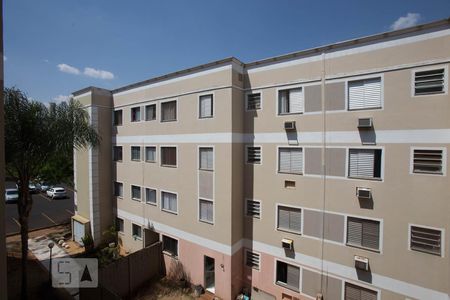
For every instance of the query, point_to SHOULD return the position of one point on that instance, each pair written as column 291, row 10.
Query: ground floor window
column 170, row 245
column 288, row 275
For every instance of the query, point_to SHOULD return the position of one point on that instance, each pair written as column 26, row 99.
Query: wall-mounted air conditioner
column 365, row 123
column 287, row 244
column 361, row 263
column 363, row 193
column 289, row 125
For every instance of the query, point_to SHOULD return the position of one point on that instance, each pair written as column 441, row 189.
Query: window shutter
column 354, row 231
column 295, row 220
column 362, row 163
column 206, row 106
column 426, row 240
column 285, row 160
column 206, row 210
column 354, row 292
column 364, row 94
column 427, row 161
column 371, row 233
column 283, row 217
column 253, row 101
column 206, row 158
column 293, row 276
column 252, row 259
column 253, row 208
column 295, row 100
column 290, row 218
column 283, row 102
column 290, row 160
column 429, row 82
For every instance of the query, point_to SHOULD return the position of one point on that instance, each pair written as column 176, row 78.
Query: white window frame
column 442, row 230
column 277, row 102
column 214, row 211
column 300, row 277
column 178, row 246
column 156, row 154
column 199, row 159
column 131, row 153
column 156, row 195
column 156, row 111
column 160, row 156
column 444, row 161
column 246, row 250
column 429, row 68
column 114, row 189
column 131, row 114
column 381, row 236
column 363, row 77
column 213, row 111
column 287, row 230
column 176, row 112
column 260, row 100
column 161, row 200
column 135, row 236
column 278, row 160
column 347, row 163
column 246, row 155
column 131, row 192
column 246, row 211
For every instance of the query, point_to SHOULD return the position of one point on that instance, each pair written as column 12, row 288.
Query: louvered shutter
column 296, row 161
column 285, row 160
column 354, row 292
column 290, row 218
column 290, row 160
column 354, row 231
column 206, row 210
column 364, row 94
column 293, row 276
column 283, row 102
column 206, row 106
column 295, row 100
column 295, row 219
column 253, row 208
column 362, row 163
column 283, row 217
column 371, row 234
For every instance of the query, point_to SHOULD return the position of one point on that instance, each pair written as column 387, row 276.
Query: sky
column 55, row 47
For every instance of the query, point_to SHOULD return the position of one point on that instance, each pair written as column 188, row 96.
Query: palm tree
column 34, row 134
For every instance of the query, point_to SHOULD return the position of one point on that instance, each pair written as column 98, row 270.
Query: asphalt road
column 45, row 212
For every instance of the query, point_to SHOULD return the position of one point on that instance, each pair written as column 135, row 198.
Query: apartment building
column 320, row 174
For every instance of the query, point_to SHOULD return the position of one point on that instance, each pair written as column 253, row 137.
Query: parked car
column 43, row 186
column 56, row 192
column 11, row 195
column 32, row 188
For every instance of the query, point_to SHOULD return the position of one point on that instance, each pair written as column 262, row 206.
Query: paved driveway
column 45, row 212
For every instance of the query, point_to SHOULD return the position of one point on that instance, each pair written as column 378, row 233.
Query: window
column 150, row 112
column 252, row 259
column 253, row 155
column 150, row 154
column 135, row 192
column 206, row 159
column 150, row 196
column 365, row 163
column 169, row 156
column 363, row 233
column 253, row 101
column 137, row 232
column 119, row 225
column 206, row 211
column 288, row 275
column 169, row 111
column 170, row 245
column 206, row 106
column 429, row 82
column 117, row 117
column 354, row 292
column 117, row 153
column 426, row 240
column 253, row 208
column 427, row 161
column 290, row 101
column 364, row 94
column 289, row 219
column 169, row 201
column 290, row 160
column 135, row 153
column 135, row 114
column 118, row 189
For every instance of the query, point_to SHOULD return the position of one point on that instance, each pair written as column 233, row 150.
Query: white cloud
column 46, row 61
column 409, row 20
column 60, row 98
column 91, row 72
column 68, row 69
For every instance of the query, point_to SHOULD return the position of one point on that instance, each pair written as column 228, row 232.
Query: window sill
column 169, row 211
column 169, row 166
column 151, row 203
column 289, row 231
column 136, row 160
column 206, row 117
column 427, row 173
column 137, row 238
column 207, row 170
column 136, row 199
column 368, row 108
column 150, row 161
column 365, row 178
column 150, row 120
column 165, row 121
column 289, row 114
column 206, row 222
column 363, row 248
column 119, row 197
column 425, row 251
column 287, row 173
column 170, row 254
column 282, row 284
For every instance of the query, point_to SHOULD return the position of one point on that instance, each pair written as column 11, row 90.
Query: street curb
column 36, row 229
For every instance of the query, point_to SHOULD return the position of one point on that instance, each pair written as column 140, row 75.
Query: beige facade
column 223, row 183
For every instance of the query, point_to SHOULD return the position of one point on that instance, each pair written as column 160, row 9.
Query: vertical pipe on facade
column 323, row 159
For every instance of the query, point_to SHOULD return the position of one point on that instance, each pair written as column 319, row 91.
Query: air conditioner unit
column 361, row 263
column 365, row 123
column 287, row 244
column 289, row 125
column 363, row 193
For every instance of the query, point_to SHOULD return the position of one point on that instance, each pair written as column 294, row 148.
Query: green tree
column 35, row 135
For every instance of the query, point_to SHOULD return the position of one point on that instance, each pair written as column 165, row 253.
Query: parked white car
column 56, row 192
column 11, row 195
column 44, row 186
